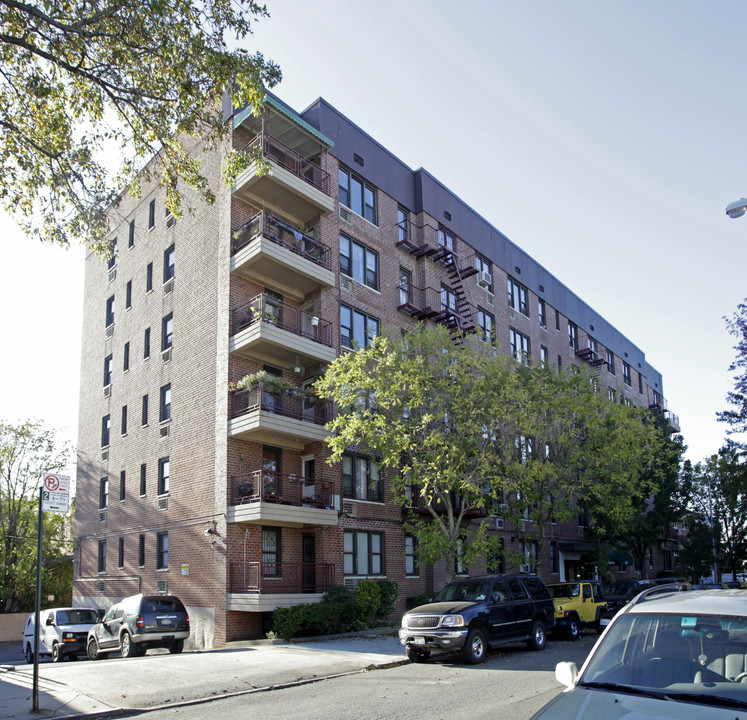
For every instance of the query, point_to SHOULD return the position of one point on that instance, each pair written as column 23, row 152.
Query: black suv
column 479, row 612
column 137, row 623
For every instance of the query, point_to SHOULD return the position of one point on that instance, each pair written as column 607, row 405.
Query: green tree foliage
column 27, row 452
column 696, row 554
column 80, row 77
column 736, row 416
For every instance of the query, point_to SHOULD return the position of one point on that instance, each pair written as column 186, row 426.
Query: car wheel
column 572, row 630
column 417, row 656
column 92, row 650
column 127, row 647
column 476, row 647
column 538, row 636
column 56, row 652
column 29, row 654
column 176, row 647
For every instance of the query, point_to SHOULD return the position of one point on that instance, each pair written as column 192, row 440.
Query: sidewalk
column 83, row 688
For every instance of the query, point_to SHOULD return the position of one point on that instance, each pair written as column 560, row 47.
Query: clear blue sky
column 604, row 138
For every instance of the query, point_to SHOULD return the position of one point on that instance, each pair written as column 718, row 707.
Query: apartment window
column 162, row 551
column 357, row 329
column 610, row 362
column 448, row 299
column 519, row 343
column 573, row 335
column 357, row 194
column 102, row 556
column 152, row 215
column 143, row 474
column 120, row 554
column 359, row 262
column 560, row 363
column 542, row 313
column 360, row 478
column 122, row 483
column 128, row 295
column 271, row 544
column 124, row 419
column 544, row 357
column 164, row 474
column 105, row 430
column 403, row 224
column 144, row 417
column 141, row 551
column 168, row 264
column 131, row 241
column 126, row 359
column 363, row 553
column 146, row 344
column 113, row 259
column 557, row 321
column 411, row 563
column 627, row 379
column 108, row 361
column 165, row 412
column 484, row 265
column 167, row 331
column 103, row 493
column 518, row 297
column 610, row 394
column 446, row 238
column 405, row 286
column 110, row 311
column 640, row 383
column 149, row 278
column 486, row 326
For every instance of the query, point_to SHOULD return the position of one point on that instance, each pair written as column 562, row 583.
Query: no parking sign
column 55, row 495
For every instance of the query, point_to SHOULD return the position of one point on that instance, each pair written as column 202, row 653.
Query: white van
column 62, row 634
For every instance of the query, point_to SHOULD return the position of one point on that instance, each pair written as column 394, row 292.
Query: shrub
column 367, row 601
column 388, row 600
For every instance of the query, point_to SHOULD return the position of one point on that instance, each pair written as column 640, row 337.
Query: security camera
column 208, row 531
column 737, row 208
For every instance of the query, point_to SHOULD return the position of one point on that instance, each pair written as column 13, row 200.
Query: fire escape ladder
column 466, row 319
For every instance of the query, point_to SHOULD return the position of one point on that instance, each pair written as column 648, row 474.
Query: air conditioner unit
column 162, row 587
column 109, row 331
column 102, row 515
column 112, row 274
column 351, row 583
column 107, row 390
column 168, row 286
column 346, row 284
column 346, row 215
column 484, row 278
column 166, row 355
column 499, row 523
column 490, row 299
column 165, row 431
column 101, row 587
column 163, row 503
column 349, row 508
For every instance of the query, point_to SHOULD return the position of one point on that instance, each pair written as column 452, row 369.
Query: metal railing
column 293, row 403
column 280, row 577
column 264, row 224
column 425, row 303
column 282, row 488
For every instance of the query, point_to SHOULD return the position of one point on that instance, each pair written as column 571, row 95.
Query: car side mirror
column 50, row 621
column 566, row 673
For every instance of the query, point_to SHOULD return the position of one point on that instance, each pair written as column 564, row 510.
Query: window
column 122, row 482
column 152, row 215
column 573, row 335
column 164, row 474
column 103, row 493
column 124, row 419
column 411, row 562
column 113, row 259
column 143, row 473
column 165, row 412
column 554, row 557
column 108, row 360
column 360, row 478
column 518, row 297
column 149, row 278
column 144, row 416
column 544, row 357
column 486, row 326
column 483, row 265
column 448, row 299
column 519, row 343
column 102, row 556
column 446, row 238
column 626, row 375
column 162, row 551
column 610, row 362
column 126, row 360
column 105, row 429
column 141, row 551
column 560, row 363
column 640, row 383
column 359, row 262
column 557, row 321
column 167, row 331
column 131, row 241
column 120, row 554
column 271, row 552
column 460, row 568
column 405, row 286
column 363, row 553
column 110, row 311
column 403, row 224
column 357, row 194
column 128, row 295
column 168, row 264
column 542, row 313
column 610, row 394
column 356, row 328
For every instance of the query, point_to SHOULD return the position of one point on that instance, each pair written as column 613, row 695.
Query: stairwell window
column 108, row 363
column 105, row 430
column 359, row 262
column 162, row 551
column 518, row 297
column 403, row 224
column 360, row 478
column 165, row 413
column 446, row 238
column 357, row 329
column 363, row 553
column 520, row 346
column 356, row 194
column 168, row 264
column 104, row 493
column 167, row 332
column 110, row 311
column 164, row 476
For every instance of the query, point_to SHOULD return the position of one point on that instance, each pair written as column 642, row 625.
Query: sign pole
column 37, row 605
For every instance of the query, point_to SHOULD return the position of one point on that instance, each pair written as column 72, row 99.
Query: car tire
column 127, row 648
column 176, row 647
column 475, row 648
column 538, row 638
column 417, row 656
column 92, row 650
column 29, row 654
column 572, row 630
column 56, row 653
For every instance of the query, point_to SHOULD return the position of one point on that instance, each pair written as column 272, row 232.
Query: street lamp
column 737, row 208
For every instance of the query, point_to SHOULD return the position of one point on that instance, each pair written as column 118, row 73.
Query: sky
column 603, row 138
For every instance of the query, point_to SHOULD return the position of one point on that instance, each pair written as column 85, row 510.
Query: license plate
column 165, row 621
column 418, row 641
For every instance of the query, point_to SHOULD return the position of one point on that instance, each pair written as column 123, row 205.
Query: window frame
column 167, row 332
column 520, row 346
column 366, row 319
column 169, row 257
column 106, row 428
column 352, row 555
column 104, row 493
column 412, row 569
column 518, row 296
column 146, row 344
column 143, row 478
column 164, row 475
column 348, row 262
column 162, row 550
column 101, row 560
column 353, row 485
column 108, row 369
column 272, row 556
column 347, row 194
column 164, row 406
column 486, row 334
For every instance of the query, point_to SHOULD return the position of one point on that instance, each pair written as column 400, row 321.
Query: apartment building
column 220, row 493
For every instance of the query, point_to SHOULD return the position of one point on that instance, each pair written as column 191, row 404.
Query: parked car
column 137, row 623
column 666, row 654
column 620, row 593
column 62, row 633
column 578, row 604
column 476, row 613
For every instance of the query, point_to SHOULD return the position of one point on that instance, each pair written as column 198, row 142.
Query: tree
column 27, row 452
column 86, row 76
column 696, row 553
column 736, row 416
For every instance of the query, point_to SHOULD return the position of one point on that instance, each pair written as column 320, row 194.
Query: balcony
column 586, row 350
column 281, row 499
column 267, row 249
column 281, row 334
column 658, row 404
column 428, row 304
column 261, row 587
column 294, row 185
column 289, row 420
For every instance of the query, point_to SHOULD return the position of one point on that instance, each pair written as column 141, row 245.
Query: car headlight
column 404, row 621
column 68, row 636
column 452, row 621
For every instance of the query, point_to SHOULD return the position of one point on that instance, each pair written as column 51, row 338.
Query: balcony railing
column 293, row 403
column 280, row 577
column 280, row 314
column 282, row 488
column 282, row 233
column 422, row 241
column 289, row 159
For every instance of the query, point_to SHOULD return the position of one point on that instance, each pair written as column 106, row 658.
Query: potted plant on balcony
column 272, row 383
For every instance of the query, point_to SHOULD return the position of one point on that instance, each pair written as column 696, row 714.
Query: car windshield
column 565, row 590
column 475, row 591
column 699, row 655
column 159, row 605
column 77, row 617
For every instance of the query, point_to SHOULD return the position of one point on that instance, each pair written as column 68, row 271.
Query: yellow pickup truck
column 578, row 604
